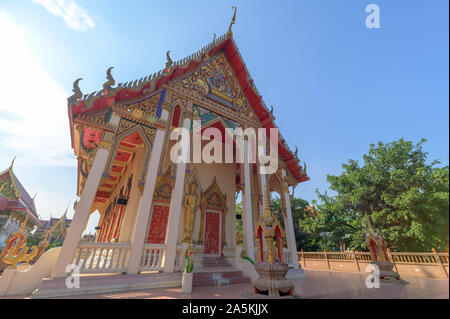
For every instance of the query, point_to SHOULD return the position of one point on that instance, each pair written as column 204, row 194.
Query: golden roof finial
column 229, row 33
column 12, row 162
column 169, row 62
column 67, row 208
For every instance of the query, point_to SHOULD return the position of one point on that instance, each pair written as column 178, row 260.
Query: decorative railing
column 310, row 255
column 152, row 257
column 420, row 258
column 362, row 256
column 102, row 257
column 411, row 264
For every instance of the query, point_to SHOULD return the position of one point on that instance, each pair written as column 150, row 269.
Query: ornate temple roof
column 108, row 96
column 14, row 196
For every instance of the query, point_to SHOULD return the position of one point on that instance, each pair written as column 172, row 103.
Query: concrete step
column 215, row 262
column 225, row 277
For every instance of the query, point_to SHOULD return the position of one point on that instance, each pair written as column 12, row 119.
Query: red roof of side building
column 99, row 100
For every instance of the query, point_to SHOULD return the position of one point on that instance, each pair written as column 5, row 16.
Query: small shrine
column 271, row 267
column 379, row 254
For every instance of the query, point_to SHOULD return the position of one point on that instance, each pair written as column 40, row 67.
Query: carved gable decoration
column 7, row 188
column 126, row 125
column 148, row 108
column 164, row 187
column 216, row 81
column 213, row 198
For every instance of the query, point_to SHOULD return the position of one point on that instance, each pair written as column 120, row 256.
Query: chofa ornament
column 379, row 255
column 376, row 244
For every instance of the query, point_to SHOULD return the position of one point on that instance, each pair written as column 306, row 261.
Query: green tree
column 406, row 198
column 34, row 239
column 239, row 230
column 303, row 240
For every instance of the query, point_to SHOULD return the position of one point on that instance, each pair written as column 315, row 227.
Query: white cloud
column 33, row 106
column 74, row 16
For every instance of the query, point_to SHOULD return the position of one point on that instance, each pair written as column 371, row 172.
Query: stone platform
column 295, row 273
column 319, row 284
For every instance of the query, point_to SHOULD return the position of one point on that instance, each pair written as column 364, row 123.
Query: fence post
column 302, row 257
column 326, row 259
column 438, row 259
column 356, row 260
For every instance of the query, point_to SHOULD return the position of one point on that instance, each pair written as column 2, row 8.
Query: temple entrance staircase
column 216, row 271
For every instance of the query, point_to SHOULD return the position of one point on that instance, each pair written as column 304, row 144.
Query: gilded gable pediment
column 215, row 82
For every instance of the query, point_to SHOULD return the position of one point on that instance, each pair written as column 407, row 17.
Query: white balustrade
column 102, row 257
column 152, row 257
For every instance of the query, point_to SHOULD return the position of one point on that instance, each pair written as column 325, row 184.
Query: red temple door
column 158, row 225
column 213, row 234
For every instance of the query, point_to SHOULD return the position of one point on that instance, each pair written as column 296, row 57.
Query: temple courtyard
column 317, row 285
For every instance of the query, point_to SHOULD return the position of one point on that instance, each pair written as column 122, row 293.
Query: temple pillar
column 247, row 217
column 144, row 211
column 289, row 227
column 83, row 209
column 173, row 222
column 262, row 172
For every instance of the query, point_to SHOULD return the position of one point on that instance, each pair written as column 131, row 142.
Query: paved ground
column 318, row 284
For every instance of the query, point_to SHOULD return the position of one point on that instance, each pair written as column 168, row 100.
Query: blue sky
column 336, row 86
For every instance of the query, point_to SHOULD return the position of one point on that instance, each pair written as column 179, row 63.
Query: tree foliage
column 55, row 239
column 239, row 230
column 406, row 198
column 303, row 240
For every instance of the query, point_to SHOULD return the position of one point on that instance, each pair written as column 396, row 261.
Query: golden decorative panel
column 164, row 187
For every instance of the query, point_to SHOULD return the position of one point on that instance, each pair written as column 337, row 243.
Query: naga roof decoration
column 15, row 194
column 109, row 96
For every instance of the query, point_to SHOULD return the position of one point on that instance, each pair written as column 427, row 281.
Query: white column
column 144, row 211
column 289, row 225
column 262, row 177
column 247, row 209
column 173, row 223
column 82, row 213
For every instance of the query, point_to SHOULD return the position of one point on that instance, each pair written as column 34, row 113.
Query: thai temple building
column 15, row 205
column 63, row 223
column 55, row 224
column 151, row 206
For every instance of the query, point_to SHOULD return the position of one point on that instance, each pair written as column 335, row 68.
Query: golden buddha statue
column 191, row 203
